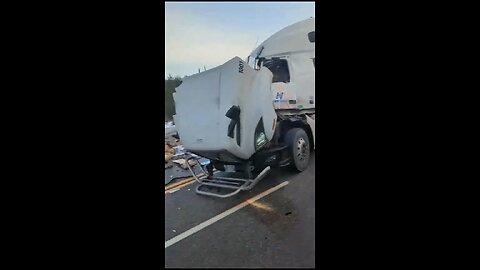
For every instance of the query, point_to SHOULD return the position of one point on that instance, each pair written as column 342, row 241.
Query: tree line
column 170, row 84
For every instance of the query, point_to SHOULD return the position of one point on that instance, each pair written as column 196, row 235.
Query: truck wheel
column 299, row 146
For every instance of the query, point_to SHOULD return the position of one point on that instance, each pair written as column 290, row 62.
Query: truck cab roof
column 291, row 39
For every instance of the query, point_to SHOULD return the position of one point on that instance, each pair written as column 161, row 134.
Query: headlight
column 260, row 137
column 260, row 140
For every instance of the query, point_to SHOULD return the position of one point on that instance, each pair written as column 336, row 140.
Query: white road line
column 173, row 190
column 222, row 215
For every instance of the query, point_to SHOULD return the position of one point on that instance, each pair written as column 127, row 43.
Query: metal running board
column 225, row 182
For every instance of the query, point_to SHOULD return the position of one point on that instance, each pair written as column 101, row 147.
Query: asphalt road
column 277, row 230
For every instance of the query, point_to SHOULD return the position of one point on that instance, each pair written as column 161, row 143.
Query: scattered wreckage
column 176, row 158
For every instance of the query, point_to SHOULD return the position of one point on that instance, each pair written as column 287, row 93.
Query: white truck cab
column 255, row 114
column 290, row 56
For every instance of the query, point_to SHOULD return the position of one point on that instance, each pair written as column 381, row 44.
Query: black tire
column 299, row 147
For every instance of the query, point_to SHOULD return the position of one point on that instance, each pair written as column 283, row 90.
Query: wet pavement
column 278, row 230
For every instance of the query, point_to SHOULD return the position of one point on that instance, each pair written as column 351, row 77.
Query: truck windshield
column 279, row 68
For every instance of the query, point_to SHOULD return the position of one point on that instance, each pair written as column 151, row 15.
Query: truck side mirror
column 311, row 37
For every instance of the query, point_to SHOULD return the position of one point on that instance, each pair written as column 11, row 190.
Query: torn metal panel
column 203, row 100
column 176, row 172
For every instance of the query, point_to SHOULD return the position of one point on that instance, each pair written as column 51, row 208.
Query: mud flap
column 311, row 123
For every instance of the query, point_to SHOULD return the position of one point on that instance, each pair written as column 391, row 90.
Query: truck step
column 235, row 184
column 214, row 182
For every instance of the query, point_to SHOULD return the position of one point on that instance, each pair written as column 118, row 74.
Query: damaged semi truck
column 250, row 116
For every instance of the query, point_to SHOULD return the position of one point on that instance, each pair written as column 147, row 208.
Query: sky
column 199, row 34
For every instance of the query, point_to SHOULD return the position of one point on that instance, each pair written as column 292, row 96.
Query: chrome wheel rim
column 302, row 150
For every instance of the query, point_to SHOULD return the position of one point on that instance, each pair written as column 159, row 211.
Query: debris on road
column 176, row 173
column 176, row 157
column 170, row 128
column 169, row 152
column 179, row 150
column 183, row 163
column 180, row 161
column 174, row 151
column 204, row 161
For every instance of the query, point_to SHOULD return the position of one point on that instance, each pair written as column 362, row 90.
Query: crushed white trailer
column 251, row 116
